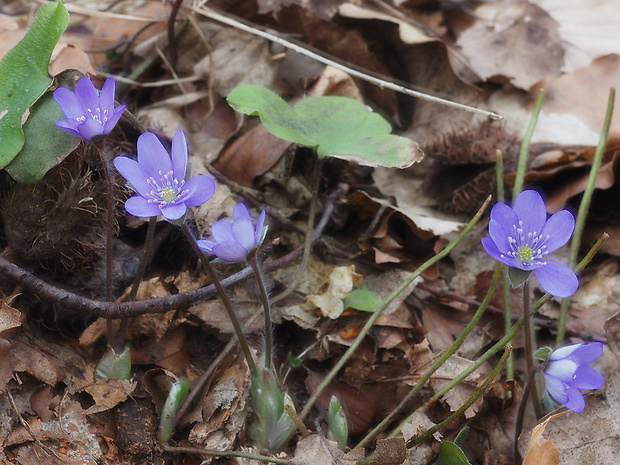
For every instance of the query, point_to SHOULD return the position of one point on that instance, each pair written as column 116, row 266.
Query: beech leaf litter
column 386, row 180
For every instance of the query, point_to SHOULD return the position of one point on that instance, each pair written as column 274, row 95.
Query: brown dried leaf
column 108, row 393
column 516, row 42
column 541, row 450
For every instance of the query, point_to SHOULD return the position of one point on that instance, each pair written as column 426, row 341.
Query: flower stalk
column 224, row 297
column 584, row 206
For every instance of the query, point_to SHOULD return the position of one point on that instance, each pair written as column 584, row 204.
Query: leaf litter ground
column 380, row 228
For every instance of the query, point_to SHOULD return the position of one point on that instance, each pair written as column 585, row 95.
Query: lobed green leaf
column 339, row 127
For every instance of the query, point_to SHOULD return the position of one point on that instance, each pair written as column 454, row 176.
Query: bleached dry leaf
column 341, row 282
column 9, row 317
column 589, row 29
column 408, row 33
column 316, row 449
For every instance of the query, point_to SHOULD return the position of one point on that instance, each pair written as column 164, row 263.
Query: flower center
column 168, row 190
column 525, row 254
column 529, row 248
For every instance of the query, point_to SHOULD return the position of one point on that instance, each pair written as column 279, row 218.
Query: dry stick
column 224, row 297
column 209, row 13
column 529, row 344
column 224, row 453
column 53, row 294
column 377, row 313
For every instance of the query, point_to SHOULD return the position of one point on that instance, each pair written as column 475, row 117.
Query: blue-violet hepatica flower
column 233, row 241
column 88, row 112
column 522, row 237
column 160, row 180
column 567, row 372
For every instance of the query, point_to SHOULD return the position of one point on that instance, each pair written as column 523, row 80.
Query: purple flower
column 233, row 241
column 88, row 113
column 161, row 181
column 567, row 371
column 521, row 237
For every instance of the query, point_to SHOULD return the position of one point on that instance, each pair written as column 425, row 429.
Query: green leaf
column 45, row 144
column 451, row 454
column 363, row 299
column 339, row 127
column 24, row 77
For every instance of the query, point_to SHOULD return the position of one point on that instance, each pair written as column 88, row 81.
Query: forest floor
column 174, row 64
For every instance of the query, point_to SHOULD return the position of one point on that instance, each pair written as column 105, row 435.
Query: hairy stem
column 530, row 344
column 266, row 309
column 440, row 361
column 468, row 403
column 224, row 297
column 371, row 321
column 584, row 206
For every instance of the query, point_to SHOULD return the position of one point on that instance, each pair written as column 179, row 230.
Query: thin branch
column 209, row 13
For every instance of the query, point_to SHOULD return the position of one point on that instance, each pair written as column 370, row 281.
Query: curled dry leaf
column 331, row 302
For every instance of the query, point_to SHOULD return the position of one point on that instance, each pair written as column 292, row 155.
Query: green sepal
column 517, row 276
column 113, row 365
column 543, row 353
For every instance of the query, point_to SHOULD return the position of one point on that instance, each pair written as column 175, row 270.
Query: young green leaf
column 176, row 397
column 45, row 144
column 451, row 454
column 362, row 299
column 339, row 127
column 24, row 77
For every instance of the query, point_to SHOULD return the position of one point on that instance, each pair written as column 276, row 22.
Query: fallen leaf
column 516, row 42
column 316, row 449
column 341, row 282
column 108, row 393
